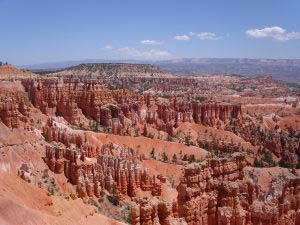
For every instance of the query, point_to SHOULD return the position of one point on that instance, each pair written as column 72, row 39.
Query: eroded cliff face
column 119, row 110
column 14, row 107
column 208, row 114
column 218, row 192
column 53, row 131
column 113, row 167
column 9, row 114
column 283, row 143
column 70, row 98
column 154, row 212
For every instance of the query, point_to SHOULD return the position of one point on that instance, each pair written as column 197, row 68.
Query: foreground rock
column 218, row 192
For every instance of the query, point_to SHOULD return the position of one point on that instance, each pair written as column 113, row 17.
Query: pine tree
column 192, row 158
column 188, row 140
column 145, row 132
column 165, row 157
column 115, row 198
column 152, row 153
column 174, row 160
column 97, row 126
column 257, row 163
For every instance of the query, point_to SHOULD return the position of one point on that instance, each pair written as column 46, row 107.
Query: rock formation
column 113, row 166
column 153, row 212
column 217, row 192
column 9, row 114
column 209, row 114
column 70, row 97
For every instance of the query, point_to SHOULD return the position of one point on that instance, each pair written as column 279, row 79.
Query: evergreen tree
column 97, row 126
column 188, row 140
column 192, row 158
column 115, row 198
column 174, row 160
column 165, row 157
column 152, row 153
column 145, row 132
column 257, row 163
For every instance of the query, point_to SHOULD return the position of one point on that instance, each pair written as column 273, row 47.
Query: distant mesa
column 283, row 69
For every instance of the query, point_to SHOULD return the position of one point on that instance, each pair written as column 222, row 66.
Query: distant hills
column 287, row 70
column 103, row 70
column 66, row 64
column 283, row 69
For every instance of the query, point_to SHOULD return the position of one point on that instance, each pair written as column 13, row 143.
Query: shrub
column 174, row 160
column 129, row 219
column 191, row 158
column 285, row 164
column 169, row 138
column 257, row 163
column 102, row 193
column 73, row 196
column 187, row 140
column 47, row 139
column 115, row 198
column 268, row 158
column 152, row 153
column 150, row 135
column 165, row 157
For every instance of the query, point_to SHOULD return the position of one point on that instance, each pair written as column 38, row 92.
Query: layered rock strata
column 216, row 192
column 113, row 168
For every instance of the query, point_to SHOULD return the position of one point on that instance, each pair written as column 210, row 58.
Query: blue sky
column 35, row 31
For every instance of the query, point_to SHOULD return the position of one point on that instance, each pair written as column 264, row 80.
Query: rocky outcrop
column 210, row 114
column 9, row 72
column 153, row 212
column 25, row 171
column 9, row 114
column 55, row 158
column 113, row 168
column 280, row 206
column 14, row 105
column 284, row 144
column 217, row 192
column 70, row 97
column 112, row 108
column 210, row 188
column 53, row 132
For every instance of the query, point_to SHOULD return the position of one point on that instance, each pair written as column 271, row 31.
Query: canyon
column 129, row 143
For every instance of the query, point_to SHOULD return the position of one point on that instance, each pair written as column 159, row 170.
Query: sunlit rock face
column 72, row 98
column 217, row 192
column 112, row 167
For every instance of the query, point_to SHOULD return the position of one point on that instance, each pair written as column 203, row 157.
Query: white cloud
column 108, row 47
column 201, row 36
column 148, row 54
column 182, row 38
column 151, row 42
column 275, row 33
column 207, row 36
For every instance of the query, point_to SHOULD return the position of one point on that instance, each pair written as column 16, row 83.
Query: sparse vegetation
column 115, row 198
column 152, row 153
column 164, row 157
column 47, row 139
column 174, row 159
column 191, row 158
